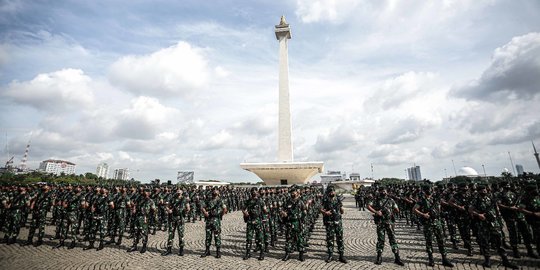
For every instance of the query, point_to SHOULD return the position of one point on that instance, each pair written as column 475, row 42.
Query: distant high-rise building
column 57, row 167
column 185, row 177
column 414, row 173
column 519, row 169
column 121, row 174
column 102, row 170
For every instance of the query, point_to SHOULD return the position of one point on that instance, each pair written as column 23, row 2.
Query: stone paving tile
column 359, row 234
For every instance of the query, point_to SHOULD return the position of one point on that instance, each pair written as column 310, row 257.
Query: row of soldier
column 459, row 212
column 103, row 216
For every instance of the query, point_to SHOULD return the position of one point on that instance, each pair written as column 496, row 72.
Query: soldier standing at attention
column 20, row 200
column 429, row 210
column 483, row 208
column 213, row 210
column 460, row 202
column 293, row 211
column 176, row 210
column 332, row 209
column 383, row 208
column 39, row 207
column 253, row 211
column 143, row 208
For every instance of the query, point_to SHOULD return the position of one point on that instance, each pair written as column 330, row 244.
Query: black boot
column 515, row 253
column 13, row 240
column 446, row 262
column 341, row 258
column 181, row 251
column 430, row 260
column 487, row 262
column 397, row 259
column 286, row 257
column 167, row 252
column 329, row 258
column 507, row 263
column 27, row 243
column 454, row 245
column 71, row 245
column 530, row 253
column 301, row 256
column 101, row 244
column 132, row 248
column 119, row 242
column 469, row 252
column 379, row 258
column 218, row 253
column 90, row 246
column 38, row 243
column 261, row 256
column 143, row 249
column 61, row 244
column 248, row 252
column 206, row 252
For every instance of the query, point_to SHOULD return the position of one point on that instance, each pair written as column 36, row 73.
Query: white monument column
column 285, row 152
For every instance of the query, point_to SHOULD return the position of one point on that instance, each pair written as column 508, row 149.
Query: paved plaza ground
column 359, row 234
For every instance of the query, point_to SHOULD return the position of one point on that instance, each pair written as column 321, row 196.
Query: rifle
column 377, row 218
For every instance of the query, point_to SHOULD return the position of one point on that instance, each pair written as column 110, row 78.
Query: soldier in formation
column 332, row 209
column 94, row 215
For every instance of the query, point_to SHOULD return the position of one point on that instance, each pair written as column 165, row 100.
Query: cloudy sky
column 162, row 86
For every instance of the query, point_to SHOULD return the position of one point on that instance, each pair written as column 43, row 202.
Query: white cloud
column 176, row 70
column 66, row 89
column 146, row 118
column 514, row 73
column 324, row 10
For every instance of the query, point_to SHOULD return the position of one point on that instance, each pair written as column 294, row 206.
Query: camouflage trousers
column 72, row 226
column 38, row 222
column 213, row 228
column 13, row 223
column 384, row 228
column 464, row 227
column 515, row 227
column 141, row 230
column 119, row 223
column 175, row 225
column 266, row 230
column 334, row 230
column 99, row 225
column 490, row 236
column 434, row 229
column 294, row 236
column 254, row 230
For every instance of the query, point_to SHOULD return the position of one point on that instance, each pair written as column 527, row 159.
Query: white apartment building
column 121, row 174
column 102, row 170
column 57, row 167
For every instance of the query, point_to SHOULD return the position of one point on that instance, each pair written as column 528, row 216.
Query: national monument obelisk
column 285, row 171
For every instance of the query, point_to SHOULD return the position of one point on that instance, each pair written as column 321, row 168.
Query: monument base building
column 284, row 173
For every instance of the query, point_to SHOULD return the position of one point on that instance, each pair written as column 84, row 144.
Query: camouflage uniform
column 383, row 207
column 213, row 209
column 483, row 209
column 253, row 211
column 515, row 221
column 15, row 207
column 430, row 210
column 332, row 208
column 144, row 209
column 41, row 205
column 293, row 213
column 176, row 208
